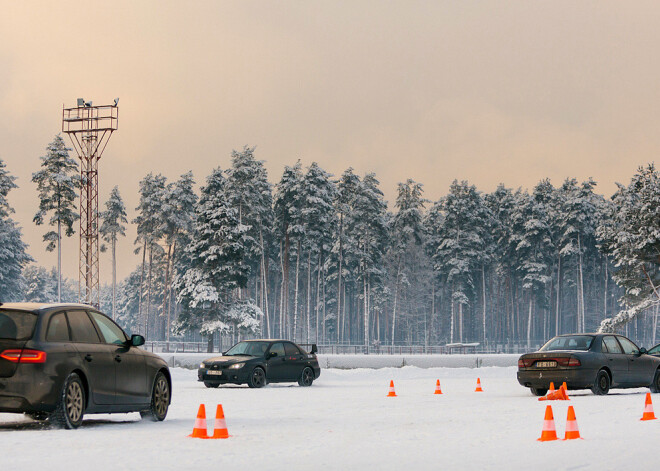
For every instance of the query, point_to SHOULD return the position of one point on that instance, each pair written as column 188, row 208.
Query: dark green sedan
column 259, row 362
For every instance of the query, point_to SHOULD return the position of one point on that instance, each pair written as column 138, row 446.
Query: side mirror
column 643, row 351
column 137, row 340
column 272, row 354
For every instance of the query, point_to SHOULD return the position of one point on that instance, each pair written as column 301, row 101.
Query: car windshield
column 569, row 342
column 16, row 325
column 654, row 350
column 253, row 349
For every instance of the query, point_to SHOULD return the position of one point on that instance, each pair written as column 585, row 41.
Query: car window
column 16, row 325
column 58, row 329
column 82, row 329
column 654, row 350
column 109, row 330
column 291, row 349
column 612, row 344
column 278, row 348
column 603, row 346
column 628, row 347
column 572, row 342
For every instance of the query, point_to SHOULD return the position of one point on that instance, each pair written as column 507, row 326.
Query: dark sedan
column 60, row 361
column 589, row 361
column 258, row 362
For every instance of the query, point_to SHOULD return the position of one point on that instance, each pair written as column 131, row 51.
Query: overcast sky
column 487, row 91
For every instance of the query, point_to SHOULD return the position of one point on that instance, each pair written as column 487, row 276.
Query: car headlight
column 236, row 366
column 202, row 365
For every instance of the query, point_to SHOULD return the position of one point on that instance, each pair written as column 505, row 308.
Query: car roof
column 42, row 306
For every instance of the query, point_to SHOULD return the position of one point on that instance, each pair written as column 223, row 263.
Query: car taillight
column 568, row 361
column 24, row 356
column 525, row 363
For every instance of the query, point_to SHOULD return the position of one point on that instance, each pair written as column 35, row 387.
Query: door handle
column 89, row 357
column 118, row 359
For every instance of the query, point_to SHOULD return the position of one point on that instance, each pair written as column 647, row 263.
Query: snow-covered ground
column 345, row 421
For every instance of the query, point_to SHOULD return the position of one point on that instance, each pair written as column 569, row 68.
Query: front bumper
column 575, row 378
column 232, row 376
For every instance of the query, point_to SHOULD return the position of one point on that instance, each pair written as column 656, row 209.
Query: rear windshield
column 16, row 325
column 571, row 342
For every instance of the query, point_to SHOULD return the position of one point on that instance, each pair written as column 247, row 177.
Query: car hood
column 227, row 360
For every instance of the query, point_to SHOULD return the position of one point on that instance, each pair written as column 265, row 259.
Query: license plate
column 214, row 373
column 546, row 364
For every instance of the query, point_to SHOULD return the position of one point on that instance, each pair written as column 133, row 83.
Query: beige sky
column 488, row 91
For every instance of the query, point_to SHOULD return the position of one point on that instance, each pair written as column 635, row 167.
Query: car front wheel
column 71, row 405
column 602, row 384
column 655, row 385
column 257, row 378
column 306, row 377
column 160, row 399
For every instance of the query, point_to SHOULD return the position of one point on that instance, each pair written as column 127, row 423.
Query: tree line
column 322, row 258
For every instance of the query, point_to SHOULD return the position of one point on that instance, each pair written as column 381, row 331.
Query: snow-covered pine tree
column 633, row 240
column 289, row 227
column 57, row 182
column 249, row 191
column 218, row 268
column 318, row 195
column 112, row 226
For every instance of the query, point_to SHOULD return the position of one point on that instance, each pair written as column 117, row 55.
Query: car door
column 616, row 360
column 130, row 368
column 640, row 367
column 295, row 361
column 97, row 359
column 276, row 364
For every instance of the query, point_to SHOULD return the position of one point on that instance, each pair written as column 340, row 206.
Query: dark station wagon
column 589, row 361
column 60, row 361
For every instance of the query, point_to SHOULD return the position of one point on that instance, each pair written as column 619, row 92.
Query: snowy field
column 345, row 421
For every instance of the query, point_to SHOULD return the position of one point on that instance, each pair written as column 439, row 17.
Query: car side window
column 603, row 346
column 82, row 329
column 110, row 331
column 628, row 347
column 612, row 344
column 278, row 348
column 290, row 349
column 58, row 328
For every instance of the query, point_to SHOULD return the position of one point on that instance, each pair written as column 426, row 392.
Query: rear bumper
column 28, row 390
column 578, row 378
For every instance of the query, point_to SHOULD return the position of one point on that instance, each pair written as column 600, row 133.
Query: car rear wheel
column 539, row 391
column 306, row 377
column 655, row 385
column 257, row 378
column 71, row 405
column 602, row 384
column 160, row 400
column 211, row 385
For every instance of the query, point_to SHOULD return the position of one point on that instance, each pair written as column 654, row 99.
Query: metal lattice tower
column 89, row 128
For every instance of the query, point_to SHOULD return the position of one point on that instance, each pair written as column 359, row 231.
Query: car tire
column 655, row 385
column 602, row 383
column 70, row 407
column 160, row 400
column 257, row 378
column 539, row 391
column 211, row 385
column 306, row 377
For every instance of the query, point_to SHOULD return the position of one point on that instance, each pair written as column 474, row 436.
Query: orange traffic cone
column 572, row 431
column 437, row 387
column 564, row 394
column 220, row 428
column 563, row 385
column 552, row 387
column 648, row 409
column 478, row 386
column 199, row 430
column 549, row 432
column 391, row 393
